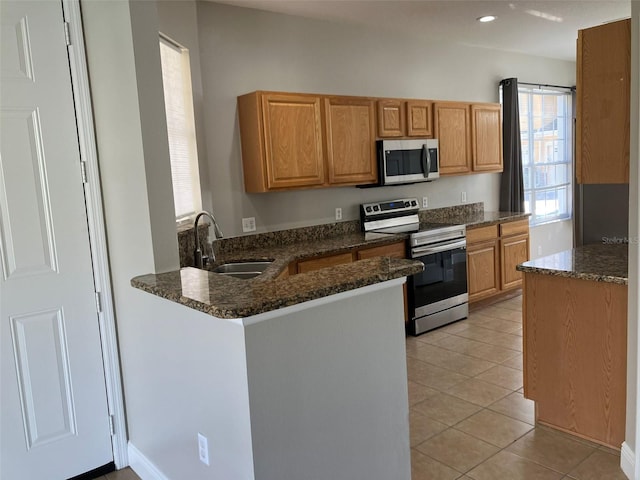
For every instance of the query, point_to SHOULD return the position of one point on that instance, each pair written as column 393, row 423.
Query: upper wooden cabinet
column 296, row 140
column 419, row 118
column 452, row 129
column 486, row 137
column 292, row 141
column 603, row 100
column 469, row 135
column 392, row 118
column 351, row 146
column 404, row 118
column 282, row 143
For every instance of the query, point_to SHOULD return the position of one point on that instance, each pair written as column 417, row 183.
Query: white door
column 54, row 420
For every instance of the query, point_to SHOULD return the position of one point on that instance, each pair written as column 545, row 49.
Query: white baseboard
column 143, row 467
column 628, row 461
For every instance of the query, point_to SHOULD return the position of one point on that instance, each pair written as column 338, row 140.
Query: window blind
column 178, row 99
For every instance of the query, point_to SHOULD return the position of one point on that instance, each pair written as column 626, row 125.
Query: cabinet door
column 514, row 250
column 292, row 140
column 603, row 99
column 451, row 121
column 395, row 250
column 419, row 118
column 483, row 269
column 486, row 137
column 391, row 118
column 351, row 150
column 324, row 262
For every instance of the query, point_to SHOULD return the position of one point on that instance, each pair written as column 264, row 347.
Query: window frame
column 194, row 190
column 537, row 219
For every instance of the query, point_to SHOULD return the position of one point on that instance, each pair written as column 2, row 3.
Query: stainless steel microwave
column 407, row 161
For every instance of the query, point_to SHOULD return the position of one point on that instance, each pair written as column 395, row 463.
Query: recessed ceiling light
column 486, row 18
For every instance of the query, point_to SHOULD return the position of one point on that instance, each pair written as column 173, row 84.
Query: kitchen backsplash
column 186, row 241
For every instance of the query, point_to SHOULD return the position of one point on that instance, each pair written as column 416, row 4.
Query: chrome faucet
column 200, row 260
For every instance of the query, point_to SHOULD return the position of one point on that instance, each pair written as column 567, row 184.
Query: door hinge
column 99, row 302
column 83, row 171
column 112, row 428
column 67, row 33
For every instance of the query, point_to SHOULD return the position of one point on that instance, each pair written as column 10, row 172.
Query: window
column 178, row 100
column 547, row 152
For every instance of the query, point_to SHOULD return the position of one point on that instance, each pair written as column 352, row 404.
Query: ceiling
column 546, row 28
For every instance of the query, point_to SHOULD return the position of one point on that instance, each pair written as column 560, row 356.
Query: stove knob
column 376, row 208
column 407, row 204
column 414, row 203
column 368, row 209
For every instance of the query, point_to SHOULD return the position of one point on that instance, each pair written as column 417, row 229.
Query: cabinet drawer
column 395, row 250
column 514, row 228
column 482, row 233
column 323, row 262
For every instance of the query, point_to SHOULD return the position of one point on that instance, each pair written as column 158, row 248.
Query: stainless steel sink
column 242, row 269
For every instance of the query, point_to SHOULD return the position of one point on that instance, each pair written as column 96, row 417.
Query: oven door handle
column 440, row 248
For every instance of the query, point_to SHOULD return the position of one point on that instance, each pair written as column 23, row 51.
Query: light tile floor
column 468, row 417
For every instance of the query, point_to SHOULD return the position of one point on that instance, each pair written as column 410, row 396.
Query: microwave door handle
column 426, row 161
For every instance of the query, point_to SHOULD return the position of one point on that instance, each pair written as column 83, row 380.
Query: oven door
column 443, row 283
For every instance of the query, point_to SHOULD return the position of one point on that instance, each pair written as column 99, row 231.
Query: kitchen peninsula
column 575, row 340
column 288, row 376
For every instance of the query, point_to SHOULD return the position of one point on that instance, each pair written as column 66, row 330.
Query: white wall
column 279, row 396
column 243, row 50
column 328, row 389
column 551, row 238
column 134, row 164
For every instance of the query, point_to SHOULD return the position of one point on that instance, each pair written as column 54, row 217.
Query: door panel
column 54, row 421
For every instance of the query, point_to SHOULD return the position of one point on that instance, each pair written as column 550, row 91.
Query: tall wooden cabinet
column 603, row 99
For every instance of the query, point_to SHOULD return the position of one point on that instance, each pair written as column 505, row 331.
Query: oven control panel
column 400, row 207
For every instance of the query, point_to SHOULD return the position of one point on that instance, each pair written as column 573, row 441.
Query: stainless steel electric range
column 439, row 294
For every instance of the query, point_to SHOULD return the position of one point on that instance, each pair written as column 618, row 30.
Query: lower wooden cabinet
column 513, row 251
column 395, row 250
column 483, row 265
column 492, row 255
column 317, row 263
column 575, row 355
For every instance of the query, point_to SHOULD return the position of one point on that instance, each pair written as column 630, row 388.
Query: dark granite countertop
column 484, row 219
column 228, row 297
column 599, row 263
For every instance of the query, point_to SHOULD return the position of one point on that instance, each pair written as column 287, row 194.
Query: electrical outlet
column 464, row 197
column 338, row 213
column 425, row 202
column 249, row 224
column 203, row 449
